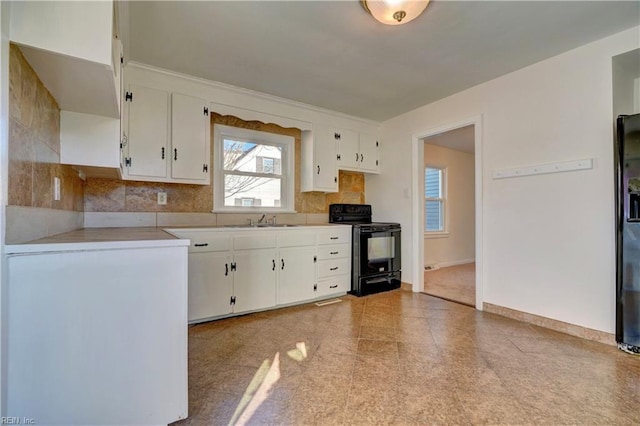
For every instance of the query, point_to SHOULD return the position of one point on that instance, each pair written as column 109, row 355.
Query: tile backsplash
column 109, row 195
column 34, row 160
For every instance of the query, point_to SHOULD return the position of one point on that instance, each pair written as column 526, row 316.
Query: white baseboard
column 454, row 263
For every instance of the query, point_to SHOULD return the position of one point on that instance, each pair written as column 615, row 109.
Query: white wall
column 458, row 245
column 548, row 240
column 626, row 79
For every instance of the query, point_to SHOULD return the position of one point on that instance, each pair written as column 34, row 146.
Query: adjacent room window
column 434, row 199
column 253, row 170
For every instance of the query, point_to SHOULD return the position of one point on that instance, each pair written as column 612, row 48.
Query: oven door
column 379, row 251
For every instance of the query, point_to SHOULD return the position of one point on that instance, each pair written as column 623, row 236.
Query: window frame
column 444, row 232
column 287, row 165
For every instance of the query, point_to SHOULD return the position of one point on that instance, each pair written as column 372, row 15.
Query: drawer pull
column 282, row 260
column 226, row 269
column 333, row 238
column 334, row 252
column 333, row 269
column 274, row 265
column 201, row 245
column 333, row 286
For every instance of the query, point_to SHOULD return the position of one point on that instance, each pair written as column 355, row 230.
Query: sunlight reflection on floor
column 263, row 381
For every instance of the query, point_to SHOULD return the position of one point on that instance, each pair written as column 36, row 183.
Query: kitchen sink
column 261, row 225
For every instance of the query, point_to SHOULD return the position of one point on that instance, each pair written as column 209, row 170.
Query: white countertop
column 99, row 239
column 135, row 237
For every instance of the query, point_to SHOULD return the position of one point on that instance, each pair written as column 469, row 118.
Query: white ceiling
column 332, row 54
column 460, row 139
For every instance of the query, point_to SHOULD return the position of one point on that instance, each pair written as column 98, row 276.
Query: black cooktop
column 355, row 214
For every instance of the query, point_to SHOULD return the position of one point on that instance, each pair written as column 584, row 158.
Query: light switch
column 56, row 188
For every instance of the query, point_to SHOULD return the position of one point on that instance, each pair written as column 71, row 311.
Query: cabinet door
column 368, row 153
column 325, row 167
column 210, row 285
column 348, row 153
column 297, row 274
column 189, row 138
column 254, row 280
column 147, row 140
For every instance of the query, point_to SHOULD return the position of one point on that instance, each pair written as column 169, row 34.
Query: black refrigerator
column 628, row 233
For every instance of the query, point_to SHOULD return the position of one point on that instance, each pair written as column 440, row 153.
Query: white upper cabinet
column 357, row 151
column 190, row 129
column 166, row 137
column 147, row 141
column 369, row 148
column 71, row 45
column 347, row 146
column 90, row 142
column 319, row 171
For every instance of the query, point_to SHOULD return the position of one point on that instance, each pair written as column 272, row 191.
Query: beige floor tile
column 402, row 358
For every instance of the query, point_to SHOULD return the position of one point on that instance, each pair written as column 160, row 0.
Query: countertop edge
column 15, row 249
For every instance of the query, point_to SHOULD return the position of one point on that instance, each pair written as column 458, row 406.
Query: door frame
column 417, row 217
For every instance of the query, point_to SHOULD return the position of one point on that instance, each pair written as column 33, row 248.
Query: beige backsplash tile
column 25, row 224
column 45, row 157
column 104, row 195
column 118, row 219
column 34, row 156
column 317, row 218
column 20, row 166
column 30, row 223
column 186, row 219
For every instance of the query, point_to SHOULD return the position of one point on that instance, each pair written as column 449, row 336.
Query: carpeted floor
column 454, row 283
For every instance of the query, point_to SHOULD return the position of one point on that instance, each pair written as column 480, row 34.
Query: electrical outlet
column 162, row 198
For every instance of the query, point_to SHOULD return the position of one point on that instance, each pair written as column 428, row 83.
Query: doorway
column 447, row 212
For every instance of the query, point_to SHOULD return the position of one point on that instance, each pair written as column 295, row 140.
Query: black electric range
column 375, row 249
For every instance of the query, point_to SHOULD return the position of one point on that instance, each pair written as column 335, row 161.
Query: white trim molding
column 417, row 167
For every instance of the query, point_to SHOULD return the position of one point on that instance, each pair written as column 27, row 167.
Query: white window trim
column 444, row 233
column 288, row 165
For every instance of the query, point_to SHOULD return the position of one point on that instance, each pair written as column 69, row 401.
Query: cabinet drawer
column 206, row 241
column 338, row 284
column 335, row 236
column 334, row 251
column 332, row 267
column 255, row 241
column 296, row 238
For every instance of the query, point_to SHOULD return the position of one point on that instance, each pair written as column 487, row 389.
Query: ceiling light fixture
column 394, row 12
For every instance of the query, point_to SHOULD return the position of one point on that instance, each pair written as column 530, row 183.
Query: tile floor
column 456, row 283
column 408, row 359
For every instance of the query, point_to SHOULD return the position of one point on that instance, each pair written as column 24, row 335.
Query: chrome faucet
column 262, row 218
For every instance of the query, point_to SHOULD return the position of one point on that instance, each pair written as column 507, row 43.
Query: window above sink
column 253, row 171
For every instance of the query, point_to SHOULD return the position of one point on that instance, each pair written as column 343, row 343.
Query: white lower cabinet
column 297, row 274
column 96, row 335
column 210, row 284
column 254, row 280
column 253, row 270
